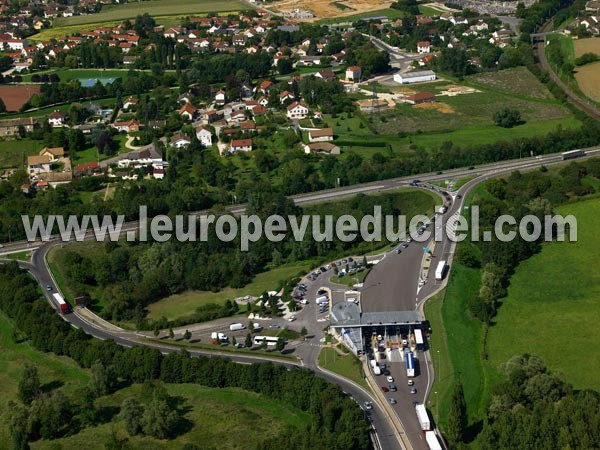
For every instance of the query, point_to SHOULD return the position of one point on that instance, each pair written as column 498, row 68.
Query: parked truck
column 322, row 300
column 63, row 306
column 237, row 326
column 375, row 367
column 410, row 364
column 440, row 271
column 432, row 440
column 423, row 417
column 218, row 337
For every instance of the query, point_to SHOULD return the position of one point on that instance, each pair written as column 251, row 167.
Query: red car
column 385, row 389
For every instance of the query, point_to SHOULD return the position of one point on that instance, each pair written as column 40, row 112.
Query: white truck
column 322, row 299
column 256, row 327
column 237, row 326
column 221, row 337
column 375, row 367
column 440, row 270
column 432, row 440
column 423, row 417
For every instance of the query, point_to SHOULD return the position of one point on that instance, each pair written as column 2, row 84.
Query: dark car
column 458, row 196
column 386, row 372
column 385, row 389
column 398, row 250
column 440, row 172
column 48, row 287
column 393, row 387
column 471, row 167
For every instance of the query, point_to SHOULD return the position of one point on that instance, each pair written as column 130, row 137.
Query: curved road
column 413, row 297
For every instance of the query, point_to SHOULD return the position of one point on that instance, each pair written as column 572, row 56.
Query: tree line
column 336, row 421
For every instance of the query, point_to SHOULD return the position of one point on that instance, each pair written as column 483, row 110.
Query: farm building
column 414, row 77
column 420, row 97
column 322, row 135
column 372, row 105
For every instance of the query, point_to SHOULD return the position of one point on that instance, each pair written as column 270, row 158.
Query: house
column 10, row 127
column 353, row 73
column 188, row 111
column 265, row 87
column 326, row 75
column 57, row 119
column 423, row 47
column 220, row 97
column 128, row 126
column 158, row 173
column 88, row 168
column 286, row 96
column 130, row 102
column 157, row 124
column 204, row 136
column 263, row 101
column 420, row 97
column 241, row 145
column 592, row 6
column 322, row 147
column 179, row 140
column 297, row 110
column 37, row 164
column 309, row 61
column 248, row 127
column 53, row 153
column 322, row 135
column 414, row 77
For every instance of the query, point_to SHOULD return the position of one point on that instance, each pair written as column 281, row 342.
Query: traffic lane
column 405, row 407
column 392, row 283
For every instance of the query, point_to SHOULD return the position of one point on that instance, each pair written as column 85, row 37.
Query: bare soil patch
column 16, row 96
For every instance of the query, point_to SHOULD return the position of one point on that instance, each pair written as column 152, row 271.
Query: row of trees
column 337, row 423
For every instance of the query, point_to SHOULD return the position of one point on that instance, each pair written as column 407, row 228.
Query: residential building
column 353, row 73
column 322, row 147
column 241, row 145
column 204, row 136
column 180, row 140
column 423, row 47
column 128, row 126
column 10, row 127
column 57, row 119
column 188, row 111
column 297, row 110
column 322, row 135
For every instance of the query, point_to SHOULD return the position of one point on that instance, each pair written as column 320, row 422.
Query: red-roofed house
column 188, row 111
column 241, row 145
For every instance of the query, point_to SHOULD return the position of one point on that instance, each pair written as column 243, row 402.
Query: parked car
column 411, row 382
column 390, row 379
column 393, row 387
column 392, row 400
column 368, row 405
column 274, row 325
column 385, row 389
column 413, row 390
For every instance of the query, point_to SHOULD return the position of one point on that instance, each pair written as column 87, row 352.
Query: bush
column 507, row 117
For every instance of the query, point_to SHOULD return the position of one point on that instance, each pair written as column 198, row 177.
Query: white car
column 390, row 379
column 292, row 318
column 411, row 382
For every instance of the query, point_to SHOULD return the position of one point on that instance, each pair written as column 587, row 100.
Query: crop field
column 552, row 305
column 519, row 81
column 154, row 8
column 588, row 79
column 589, row 45
column 16, row 96
column 327, row 9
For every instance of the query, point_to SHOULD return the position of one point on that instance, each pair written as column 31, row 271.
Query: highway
column 403, row 294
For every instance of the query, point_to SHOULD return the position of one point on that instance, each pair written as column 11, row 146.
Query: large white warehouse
column 414, row 77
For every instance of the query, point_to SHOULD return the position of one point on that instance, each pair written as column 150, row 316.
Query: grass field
column 350, row 280
column 552, row 305
column 517, row 81
column 154, row 8
column 588, row 79
column 53, row 370
column 390, row 13
column 346, row 365
column 219, row 418
column 181, row 305
column 14, row 153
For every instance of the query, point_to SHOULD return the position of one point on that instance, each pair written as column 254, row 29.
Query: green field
column 345, row 364
column 154, row 8
column 52, row 369
column 552, row 305
column 390, row 13
column 181, row 305
column 14, row 153
column 72, row 74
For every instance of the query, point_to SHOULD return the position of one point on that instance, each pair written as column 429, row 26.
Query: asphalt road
column 407, row 263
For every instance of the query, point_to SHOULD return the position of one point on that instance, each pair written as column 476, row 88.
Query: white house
column 241, row 145
column 220, row 97
column 353, row 73
column 322, row 135
column 180, row 140
column 414, row 77
column 37, row 164
column 297, row 110
column 204, row 136
column 423, row 47
column 57, row 119
column 130, row 102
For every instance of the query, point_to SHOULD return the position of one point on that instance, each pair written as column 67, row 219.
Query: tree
column 303, row 331
column 159, row 419
column 18, row 425
column 507, row 117
column 103, row 379
column 280, row 345
column 187, row 335
column 29, row 384
column 131, row 413
column 171, row 333
column 457, row 418
column 248, row 341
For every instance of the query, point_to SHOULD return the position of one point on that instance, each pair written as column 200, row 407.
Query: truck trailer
column 419, row 339
column 432, row 440
column 322, row 300
column 423, row 417
column 410, row 364
column 63, row 306
column 236, row 326
column 440, row 271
